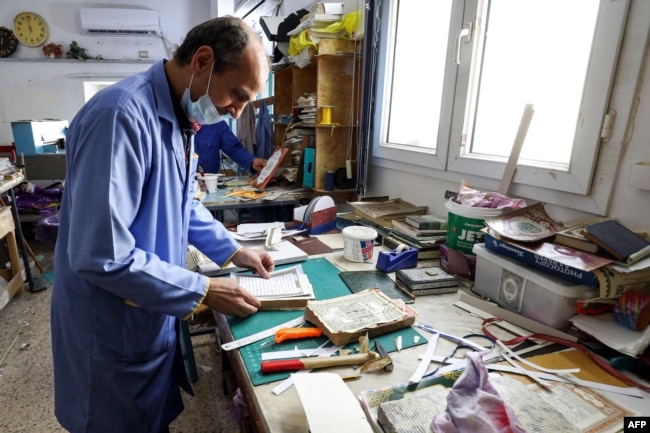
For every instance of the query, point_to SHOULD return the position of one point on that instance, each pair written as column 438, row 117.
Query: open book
column 287, row 289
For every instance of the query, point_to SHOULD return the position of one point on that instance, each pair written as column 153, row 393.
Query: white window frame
column 447, row 163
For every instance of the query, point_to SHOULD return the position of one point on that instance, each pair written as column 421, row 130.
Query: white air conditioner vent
column 128, row 22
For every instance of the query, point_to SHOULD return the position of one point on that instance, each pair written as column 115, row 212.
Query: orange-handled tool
column 295, row 333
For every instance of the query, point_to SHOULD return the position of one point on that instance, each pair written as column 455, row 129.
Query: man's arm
column 231, row 146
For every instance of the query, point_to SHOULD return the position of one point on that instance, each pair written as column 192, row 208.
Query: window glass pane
column 419, row 57
column 535, row 51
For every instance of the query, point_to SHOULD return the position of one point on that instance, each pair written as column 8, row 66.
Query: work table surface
column 284, row 413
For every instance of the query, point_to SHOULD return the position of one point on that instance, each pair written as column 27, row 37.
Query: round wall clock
column 30, row 29
column 8, row 42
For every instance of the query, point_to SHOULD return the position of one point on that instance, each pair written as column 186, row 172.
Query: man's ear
column 202, row 60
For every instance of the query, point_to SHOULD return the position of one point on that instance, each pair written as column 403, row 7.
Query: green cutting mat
column 324, row 277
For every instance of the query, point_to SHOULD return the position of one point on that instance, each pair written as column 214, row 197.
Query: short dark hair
column 227, row 36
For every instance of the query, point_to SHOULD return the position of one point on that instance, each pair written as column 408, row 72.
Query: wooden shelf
column 48, row 60
column 336, row 80
column 13, row 276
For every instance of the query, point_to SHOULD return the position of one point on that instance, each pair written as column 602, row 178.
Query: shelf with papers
column 335, row 80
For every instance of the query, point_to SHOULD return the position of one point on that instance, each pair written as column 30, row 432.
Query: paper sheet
column 329, row 404
column 603, row 328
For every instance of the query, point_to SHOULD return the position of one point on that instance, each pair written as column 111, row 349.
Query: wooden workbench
column 284, row 413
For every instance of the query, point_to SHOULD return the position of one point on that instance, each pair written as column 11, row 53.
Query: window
column 92, row 87
column 458, row 118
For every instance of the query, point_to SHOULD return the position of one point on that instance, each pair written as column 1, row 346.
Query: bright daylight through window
column 457, row 76
column 519, row 58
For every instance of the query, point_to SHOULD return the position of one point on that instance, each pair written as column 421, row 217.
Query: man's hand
column 227, row 297
column 258, row 261
column 258, row 164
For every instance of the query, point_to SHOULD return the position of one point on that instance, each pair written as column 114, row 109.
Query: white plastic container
column 358, row 243
column 211, row 181
column 523, row 289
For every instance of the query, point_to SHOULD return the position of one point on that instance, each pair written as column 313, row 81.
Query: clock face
column 8, row 42
column 30, row 29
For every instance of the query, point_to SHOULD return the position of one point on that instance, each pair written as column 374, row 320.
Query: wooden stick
column 8, row 350
column 511, row 166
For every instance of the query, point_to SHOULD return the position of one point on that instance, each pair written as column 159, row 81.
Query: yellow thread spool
column 326, row 115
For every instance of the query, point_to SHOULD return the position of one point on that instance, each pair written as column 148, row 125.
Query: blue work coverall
column 210, row 139
column 120, row 284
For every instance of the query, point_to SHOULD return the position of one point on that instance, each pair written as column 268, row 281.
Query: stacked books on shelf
column 426, row 222
column 299, row 133
column 527, row 235
column 530, row 236
column 382, row 211
column 426, row 240
column 307, row 115
column 571, row 264
column 573, row 237
column 426, row 281
column 411, row 232
column 318, row 22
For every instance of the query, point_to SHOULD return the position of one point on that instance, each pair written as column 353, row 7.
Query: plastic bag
column 474, row 405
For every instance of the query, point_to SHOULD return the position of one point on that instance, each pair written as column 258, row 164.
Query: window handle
column 465, row 35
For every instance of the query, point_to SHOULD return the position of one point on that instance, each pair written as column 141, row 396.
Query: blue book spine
column 578, row 276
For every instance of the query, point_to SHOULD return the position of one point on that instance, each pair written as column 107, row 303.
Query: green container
column 465, row 224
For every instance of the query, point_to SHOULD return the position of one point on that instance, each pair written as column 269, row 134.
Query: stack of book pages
column 426, row 281
column 423, row 232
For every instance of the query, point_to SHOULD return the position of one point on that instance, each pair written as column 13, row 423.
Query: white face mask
column 201, row 111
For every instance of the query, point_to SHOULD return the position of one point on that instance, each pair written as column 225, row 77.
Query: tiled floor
column 26, row 390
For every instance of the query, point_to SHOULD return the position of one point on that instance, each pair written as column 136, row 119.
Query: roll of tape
column 401, row 248
column 632, row 310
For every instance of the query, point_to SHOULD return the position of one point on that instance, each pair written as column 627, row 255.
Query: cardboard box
column 533, row 293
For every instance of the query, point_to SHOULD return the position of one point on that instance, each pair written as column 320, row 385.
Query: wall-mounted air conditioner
column 128, row 22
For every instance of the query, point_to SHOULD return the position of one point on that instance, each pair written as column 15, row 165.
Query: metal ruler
column 298, row 321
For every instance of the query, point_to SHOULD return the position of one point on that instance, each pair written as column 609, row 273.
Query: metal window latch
column 465, row 35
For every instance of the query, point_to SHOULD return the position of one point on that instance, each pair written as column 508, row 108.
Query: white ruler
column 298, row 321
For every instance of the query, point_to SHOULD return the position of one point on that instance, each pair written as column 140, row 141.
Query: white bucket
column 210, row 180
column 358, row 243
column 464, row 225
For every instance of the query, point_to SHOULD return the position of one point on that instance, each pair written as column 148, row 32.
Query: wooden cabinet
column 335, row 79
column 13, row 275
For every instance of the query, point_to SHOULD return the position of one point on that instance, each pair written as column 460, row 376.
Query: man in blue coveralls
column 127, row 215
column 213, row 139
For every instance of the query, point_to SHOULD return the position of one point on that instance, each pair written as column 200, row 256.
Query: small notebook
column 619, row 241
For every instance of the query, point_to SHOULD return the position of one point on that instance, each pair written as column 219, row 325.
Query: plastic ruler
column 262, row 334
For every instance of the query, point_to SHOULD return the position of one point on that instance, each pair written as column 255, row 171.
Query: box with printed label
column 523, row 289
